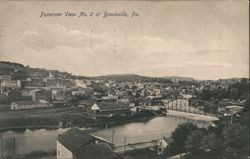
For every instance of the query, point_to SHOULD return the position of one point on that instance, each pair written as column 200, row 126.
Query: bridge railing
column 183, row 106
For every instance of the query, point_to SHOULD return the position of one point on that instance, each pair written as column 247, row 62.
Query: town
column 37, row 98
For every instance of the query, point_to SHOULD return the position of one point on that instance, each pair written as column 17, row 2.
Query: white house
column 161, row 146
column 95, row 108
column 62, row 151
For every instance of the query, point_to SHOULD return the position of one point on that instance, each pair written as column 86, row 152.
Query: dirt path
column 192, row 116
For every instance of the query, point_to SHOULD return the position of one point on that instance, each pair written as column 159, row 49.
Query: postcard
column 127, row 79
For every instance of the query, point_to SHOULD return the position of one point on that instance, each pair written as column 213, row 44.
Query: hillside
column 19, row 72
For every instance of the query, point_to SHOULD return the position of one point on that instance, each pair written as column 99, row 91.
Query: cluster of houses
column 97, row 96
column 91, row 95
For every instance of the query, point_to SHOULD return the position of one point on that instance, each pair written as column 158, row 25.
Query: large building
column 80, row 83
column 110, row 107
column 41, row 94
column 18, row 105
column 59, row 83
column 5, row 77
column 8, row 84
column 78, row 144
column 35, row 82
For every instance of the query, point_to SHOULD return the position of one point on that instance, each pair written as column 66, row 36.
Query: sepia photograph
column 126, row 79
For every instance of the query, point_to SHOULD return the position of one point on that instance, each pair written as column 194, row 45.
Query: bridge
column 182, row 105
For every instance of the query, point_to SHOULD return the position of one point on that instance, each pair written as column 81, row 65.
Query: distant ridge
column 131, row 78
column 19, row 71
column 179, row 78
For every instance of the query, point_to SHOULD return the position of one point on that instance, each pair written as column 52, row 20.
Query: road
column 122, row 149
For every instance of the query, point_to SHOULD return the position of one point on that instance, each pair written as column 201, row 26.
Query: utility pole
column 106, row 129
column 113, row 133
column 189, row 107
column 14, row 146
column 176, row 104
column 180, row 105
column 231, row 121
column 1, row 145
column 185, row 104
column 125, row 142
column 172, row 102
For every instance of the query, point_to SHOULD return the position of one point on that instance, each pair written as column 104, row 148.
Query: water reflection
column 45, row 140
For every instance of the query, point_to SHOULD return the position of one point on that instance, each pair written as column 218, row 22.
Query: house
column 234, row 109
column 95, row 108
column 230, row 110
column 79, row 144
column 80, row 83
column 86, row 104
column 109, row 98
column 110, row 107
column 186, row 96
column 17, row 105
column 8, row 84
column 161, row 146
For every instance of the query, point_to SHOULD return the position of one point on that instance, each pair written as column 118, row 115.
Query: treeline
column 238, row 90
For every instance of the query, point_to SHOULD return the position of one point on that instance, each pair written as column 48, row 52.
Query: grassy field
column 4, row 107
column 63, row 117
column 44, row 117
column 42, row 112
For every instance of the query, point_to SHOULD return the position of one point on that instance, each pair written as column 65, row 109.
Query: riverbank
column 137, row 134
column 40, row 120
column 192, row 116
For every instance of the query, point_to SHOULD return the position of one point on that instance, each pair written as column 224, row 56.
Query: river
column 45, row 140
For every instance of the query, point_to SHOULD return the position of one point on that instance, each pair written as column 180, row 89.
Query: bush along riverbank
column 68, row 120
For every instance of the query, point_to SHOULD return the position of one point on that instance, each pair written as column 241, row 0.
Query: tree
column 179, row 136
column 223, row 141
column 236, row 140
column 201, row 144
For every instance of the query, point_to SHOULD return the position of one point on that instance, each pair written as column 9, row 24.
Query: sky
column 200, row 39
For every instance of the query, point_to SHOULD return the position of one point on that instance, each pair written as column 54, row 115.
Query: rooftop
column 75, row 138
column 103, row 105
column 29, row 102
